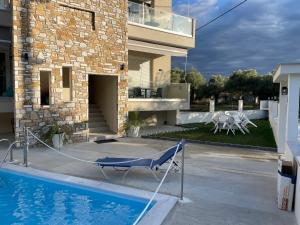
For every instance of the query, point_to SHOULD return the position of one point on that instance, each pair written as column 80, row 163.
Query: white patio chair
column 223, row 121
column 238, row 118
column 215, row 121
column 230, row 125
column 245, row 121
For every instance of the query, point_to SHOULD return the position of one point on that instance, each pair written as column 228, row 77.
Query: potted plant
column 133, row 124
column 57, row 136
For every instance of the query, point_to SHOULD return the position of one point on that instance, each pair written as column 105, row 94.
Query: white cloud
column 260, row 34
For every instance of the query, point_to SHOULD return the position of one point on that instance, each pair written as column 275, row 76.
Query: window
column 67, row 83
column 45, row 87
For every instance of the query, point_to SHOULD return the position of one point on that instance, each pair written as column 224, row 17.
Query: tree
column 242, row 82
column 177, row 75
column 215, row 86
column 266, row 88
column 197, row 81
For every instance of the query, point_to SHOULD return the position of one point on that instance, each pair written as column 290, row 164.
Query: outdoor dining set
column 231, row 121
column 138, row 92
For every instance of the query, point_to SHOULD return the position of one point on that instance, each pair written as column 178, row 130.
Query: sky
column 257, row 35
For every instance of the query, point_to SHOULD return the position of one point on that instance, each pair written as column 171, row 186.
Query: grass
column 261, row 136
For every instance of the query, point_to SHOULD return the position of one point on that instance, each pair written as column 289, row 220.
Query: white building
column 284, row 118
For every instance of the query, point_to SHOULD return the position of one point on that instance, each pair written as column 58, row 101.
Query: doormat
column 106, row 141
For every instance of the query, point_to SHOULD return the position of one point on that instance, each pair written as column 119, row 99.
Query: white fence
column 273, row 118
column 203, row 117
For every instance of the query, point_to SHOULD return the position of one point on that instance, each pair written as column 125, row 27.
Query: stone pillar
column 282, row 110
column 241, row 105
column 211, row 105
column 292, row 108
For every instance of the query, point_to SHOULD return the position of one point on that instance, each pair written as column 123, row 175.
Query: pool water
column 26, row 199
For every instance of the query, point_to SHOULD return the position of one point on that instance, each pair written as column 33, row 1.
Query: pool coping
column 155, row 216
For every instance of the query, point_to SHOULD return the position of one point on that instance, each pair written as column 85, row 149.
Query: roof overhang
column 283, row 70
column 157, row 49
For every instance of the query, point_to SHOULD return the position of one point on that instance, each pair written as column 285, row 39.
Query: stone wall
column 89, row 36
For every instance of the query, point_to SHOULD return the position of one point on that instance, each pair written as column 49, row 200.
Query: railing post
column 182, row 172
column 143, row 19
column 241, row 105
column 212, row 105
column 11, row 156
column 26, row 148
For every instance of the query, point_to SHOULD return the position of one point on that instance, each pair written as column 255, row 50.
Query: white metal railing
column 144, row 15
column 4, row 4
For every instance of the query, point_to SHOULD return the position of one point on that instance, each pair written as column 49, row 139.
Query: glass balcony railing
column 4, row 4
column 144, row 15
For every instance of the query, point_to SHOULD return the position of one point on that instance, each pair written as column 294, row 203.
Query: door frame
column 114, row 98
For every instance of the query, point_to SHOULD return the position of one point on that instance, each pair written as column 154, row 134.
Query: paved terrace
column 227, row 186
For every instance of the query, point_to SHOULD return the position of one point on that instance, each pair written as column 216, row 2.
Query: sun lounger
column 149, row 164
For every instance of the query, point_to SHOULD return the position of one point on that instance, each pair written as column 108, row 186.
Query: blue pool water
column 28, row 200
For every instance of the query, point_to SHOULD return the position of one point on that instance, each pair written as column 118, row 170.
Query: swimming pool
column 28, row 199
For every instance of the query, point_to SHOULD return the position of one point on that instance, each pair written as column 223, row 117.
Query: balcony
column 170, row 97
column 4, row 4
column 156, row 19
column 150, row 24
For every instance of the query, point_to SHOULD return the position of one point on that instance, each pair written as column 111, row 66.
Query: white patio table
column 224, row 122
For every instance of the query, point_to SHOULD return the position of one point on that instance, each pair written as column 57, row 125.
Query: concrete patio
column 227, row 186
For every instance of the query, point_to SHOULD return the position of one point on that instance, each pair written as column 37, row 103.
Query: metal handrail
column 4, row 140
column 9, row 150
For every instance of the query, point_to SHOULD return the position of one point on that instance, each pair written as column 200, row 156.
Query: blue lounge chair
column 149, row 164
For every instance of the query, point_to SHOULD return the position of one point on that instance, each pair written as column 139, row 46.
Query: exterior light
column 122, row 66
column 25, row 56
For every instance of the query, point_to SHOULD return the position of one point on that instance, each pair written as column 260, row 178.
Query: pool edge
column 155, row 216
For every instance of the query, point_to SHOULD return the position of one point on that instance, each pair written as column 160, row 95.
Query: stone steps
column 97, row 123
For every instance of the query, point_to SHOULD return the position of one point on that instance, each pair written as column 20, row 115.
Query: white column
column 292, row 108
column 241, row 105
column 282, row 109
column 211, row 105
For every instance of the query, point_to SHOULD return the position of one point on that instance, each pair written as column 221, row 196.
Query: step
column 93, row 115
column 96, row 119
column 102, row 136
column 98, row 129
column 95, row 111
column 97, row 124
column 94, row 107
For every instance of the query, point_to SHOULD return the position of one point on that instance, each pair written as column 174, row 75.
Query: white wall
column 203, row 117
column 139, row 74
column 273, row 118
column 181, row 91
column 159, row 117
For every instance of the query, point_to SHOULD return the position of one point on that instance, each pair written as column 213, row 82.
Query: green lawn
column 261, row 136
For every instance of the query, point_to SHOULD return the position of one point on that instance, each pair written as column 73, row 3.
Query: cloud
column 260, row 34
